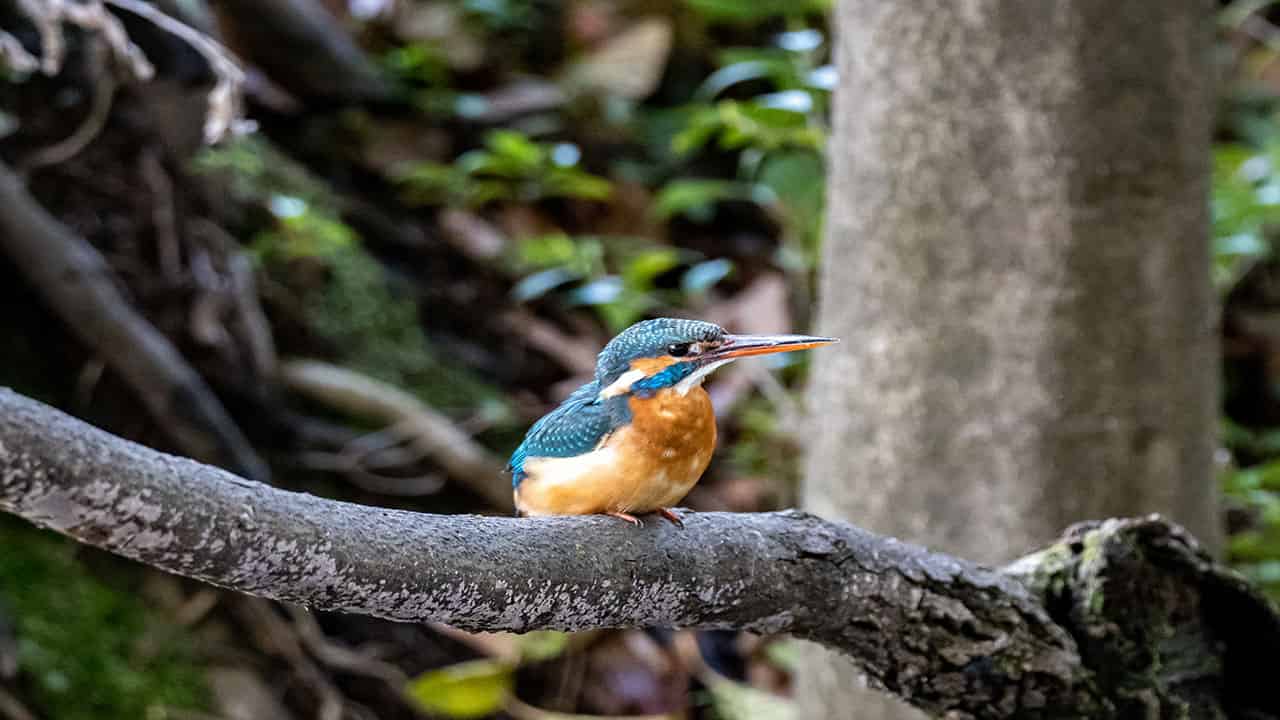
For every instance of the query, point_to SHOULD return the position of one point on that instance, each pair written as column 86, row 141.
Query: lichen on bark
column 1165, row 631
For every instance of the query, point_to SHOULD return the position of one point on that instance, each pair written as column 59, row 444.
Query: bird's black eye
column 679, row 349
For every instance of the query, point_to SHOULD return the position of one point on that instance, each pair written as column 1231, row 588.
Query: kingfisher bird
column 637, row 438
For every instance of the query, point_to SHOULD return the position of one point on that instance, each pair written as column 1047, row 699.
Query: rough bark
column 1017, row 262
column 1144, row 603
column 784, row 572
column 1160, row 629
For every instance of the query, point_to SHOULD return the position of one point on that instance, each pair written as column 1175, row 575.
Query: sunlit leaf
column 736, row 701
column 753, row 11
column 696, row 198
column 641, row 270
column 823, row 78
column 1249, row 244
column 542, row 645
column 548, row 250
column 515, row 147
column 472, row 689
column 572, row 182
column 598, row 292
column 732, row 74
column 783, row 653
column 704, row 275
column 420, row 62
column 699, row 129
column 538, row 284
column 799, row 40
column 736, row 125
column 796, row 101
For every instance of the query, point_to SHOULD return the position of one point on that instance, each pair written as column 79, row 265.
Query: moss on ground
column 87, row 649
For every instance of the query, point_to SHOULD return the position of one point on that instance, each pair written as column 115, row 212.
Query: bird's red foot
column 624, row 516
column 675, row 519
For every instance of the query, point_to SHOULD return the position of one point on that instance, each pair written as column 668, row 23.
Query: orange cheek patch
column 653, row 366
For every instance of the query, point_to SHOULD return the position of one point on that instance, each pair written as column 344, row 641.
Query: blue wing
column 573, row 428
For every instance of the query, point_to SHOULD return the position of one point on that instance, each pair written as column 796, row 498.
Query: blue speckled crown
column 649, row 338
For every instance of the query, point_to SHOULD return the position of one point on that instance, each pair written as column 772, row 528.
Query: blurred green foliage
column 89, row 650
column 510, row 167
column 1246, row 204
column 617, row 276
column 762, row 448
column 479, row 688
column 354, row 308
column 755, row 11
column 1246, row 218
column 465, row 690
column 775, row 125
column 1256, row 550
column 346, row 298
column 255, row 171
column 1254, row 493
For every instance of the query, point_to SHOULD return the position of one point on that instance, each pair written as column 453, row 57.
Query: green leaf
column 786, row 70
column 472, row 689
column 701, row 126
column 736, row 701
column 428, row 183
column 754, row 11
column 696, row 198
column 736, row 125
column 548, row 250
column 515, row 147
column 542, row 645
column 419, row 62
column 797, row 177
column 572, row 182
column 784, row 654
column 732, row 74
column 640, row 272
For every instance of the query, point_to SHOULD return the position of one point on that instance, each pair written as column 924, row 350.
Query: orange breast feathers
column 650, row 463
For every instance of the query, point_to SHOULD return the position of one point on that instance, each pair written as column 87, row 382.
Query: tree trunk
column 1017, row 262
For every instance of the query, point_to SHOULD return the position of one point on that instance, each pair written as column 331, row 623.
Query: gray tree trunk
column 1017, row 262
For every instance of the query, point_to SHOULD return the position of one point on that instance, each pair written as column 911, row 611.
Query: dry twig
column 434, row 434
column 75, row 280
column 226, row 102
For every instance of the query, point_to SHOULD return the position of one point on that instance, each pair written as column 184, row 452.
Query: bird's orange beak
column 736, row 346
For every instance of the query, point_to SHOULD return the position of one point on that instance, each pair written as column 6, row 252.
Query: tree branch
column 431, row 432
column 774, row 572
column 943, row 633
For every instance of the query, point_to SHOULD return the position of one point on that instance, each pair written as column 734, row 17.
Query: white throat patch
column 684, row 386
